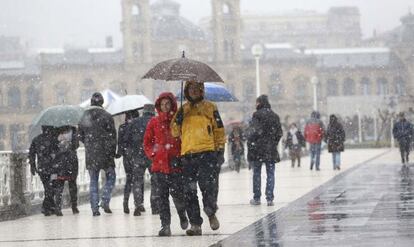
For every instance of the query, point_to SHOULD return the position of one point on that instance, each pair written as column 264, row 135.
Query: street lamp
column 315, row 81
column 257, row 51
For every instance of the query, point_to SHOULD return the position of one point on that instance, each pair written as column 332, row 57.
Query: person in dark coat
column 97, row 131
column 335, row 137
column 134, row 134
column 263, row 138
column 314, row 133
column 294, row 142
column 66, row 167
column 164, row 151
column 236, row 141
column 43, row 149
column 125, row 148
column 403, row 132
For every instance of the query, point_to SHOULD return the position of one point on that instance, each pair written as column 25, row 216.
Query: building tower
column 225, row 26
column 136, row 31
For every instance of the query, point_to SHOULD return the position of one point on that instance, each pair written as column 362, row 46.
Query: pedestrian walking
column 66, row 167
column 264, row 134
column 164, row 151
column 236, row 140
column 403, row 132
column 199, row 125
column 97, row 131
column 125, row 149
column 335, row 137
column 314, row 132
column 42, row 153
column 294, row 143
column 135, row 132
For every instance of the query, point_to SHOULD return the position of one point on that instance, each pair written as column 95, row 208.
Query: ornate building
column 154, row 32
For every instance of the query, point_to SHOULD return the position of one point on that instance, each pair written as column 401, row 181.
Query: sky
column 86, row 23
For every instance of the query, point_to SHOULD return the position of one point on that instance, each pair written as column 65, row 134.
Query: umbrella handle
column 181, row 102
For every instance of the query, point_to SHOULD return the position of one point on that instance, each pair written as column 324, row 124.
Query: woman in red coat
column 163, row 150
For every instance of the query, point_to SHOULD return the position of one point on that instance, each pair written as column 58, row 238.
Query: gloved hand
column 220, row 156
column 179, row 118
column 118, row 155
column 33, row 170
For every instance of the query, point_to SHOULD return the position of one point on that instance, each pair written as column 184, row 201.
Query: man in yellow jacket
column 199, row 125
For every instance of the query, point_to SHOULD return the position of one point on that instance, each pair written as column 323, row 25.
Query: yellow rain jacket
column 202, row 129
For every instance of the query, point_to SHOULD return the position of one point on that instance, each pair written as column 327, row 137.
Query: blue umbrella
column 216, row 93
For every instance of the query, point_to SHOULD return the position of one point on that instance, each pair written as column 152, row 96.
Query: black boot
column 165, row 231
column 183, row 221
column 137, row 212
column 126, row 208
column 75, row 209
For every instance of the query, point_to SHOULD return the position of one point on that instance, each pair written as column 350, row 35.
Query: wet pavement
column 371, row 205
column 234, row 213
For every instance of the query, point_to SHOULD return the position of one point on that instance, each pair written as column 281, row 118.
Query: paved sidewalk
column 234, row 213
column 372, row 205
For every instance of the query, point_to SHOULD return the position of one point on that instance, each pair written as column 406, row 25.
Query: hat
column 97, row 99
column 149, row 108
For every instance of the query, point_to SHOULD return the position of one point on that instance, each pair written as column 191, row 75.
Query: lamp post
column 315, row 81
column 359, row 125
column 257, row 51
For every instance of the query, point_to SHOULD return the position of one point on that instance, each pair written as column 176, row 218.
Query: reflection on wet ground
column 372, row 205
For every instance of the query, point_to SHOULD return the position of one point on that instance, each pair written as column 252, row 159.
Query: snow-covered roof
column 348, row 50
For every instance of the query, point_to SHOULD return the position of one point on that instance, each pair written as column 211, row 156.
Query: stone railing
column 22, row 194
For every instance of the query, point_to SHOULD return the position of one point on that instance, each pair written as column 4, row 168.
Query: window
column 365, row 86
column 349, row 86
column 331, row 87
column 135, row 10
column 88, row 82
column 2, row 136
column 14, row 97
column 226, row 9
column 118, row 87
column 1, row 98
column 33, row 97
column 60, row 94
column 400, row 87
column 383, row 88
column 301, row 86
column 17, row 137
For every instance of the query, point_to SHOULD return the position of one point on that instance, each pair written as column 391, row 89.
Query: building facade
column 296, row 48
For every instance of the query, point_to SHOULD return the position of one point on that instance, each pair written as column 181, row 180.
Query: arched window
column 331, row 87
column 88, row 82
column 275, row 86
column 33, row 97
column 118, row 87
column 135, row 10
column 14, row 97
column 365, row 86
column 400, row 86
column 226, row 9
column 383, row 88
column 349, row 87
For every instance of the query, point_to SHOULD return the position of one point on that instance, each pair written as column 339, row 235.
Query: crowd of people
column 183, row 149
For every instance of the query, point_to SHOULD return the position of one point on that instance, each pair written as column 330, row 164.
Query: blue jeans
column 336, row 158
column 270, row 180
column 315, row 150
column 94, row 187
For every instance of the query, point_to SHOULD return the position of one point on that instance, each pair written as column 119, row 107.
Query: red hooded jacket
column 159, row 145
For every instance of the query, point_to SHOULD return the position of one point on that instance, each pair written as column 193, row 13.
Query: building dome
column 167, row 23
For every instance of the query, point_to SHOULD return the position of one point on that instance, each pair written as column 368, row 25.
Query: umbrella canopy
column 216, row 93
column 182, row 69
column 56, row 116
column 127, row 103
column 108, row 95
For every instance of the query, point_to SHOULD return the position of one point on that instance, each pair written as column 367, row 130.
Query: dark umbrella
column 56, row 116
column 216, row 93
column 182, row 69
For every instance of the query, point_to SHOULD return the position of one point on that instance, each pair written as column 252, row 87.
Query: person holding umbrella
column 44, row 148
column 199, row 125
column 97, row 131
column 125, row 149
column 163, row 150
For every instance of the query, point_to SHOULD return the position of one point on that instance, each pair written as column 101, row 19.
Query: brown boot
column 195, row 230
column 214, row 223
